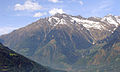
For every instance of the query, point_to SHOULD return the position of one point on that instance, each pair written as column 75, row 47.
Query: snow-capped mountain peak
column 88, row 23
column 56, row 20
column 108, row 22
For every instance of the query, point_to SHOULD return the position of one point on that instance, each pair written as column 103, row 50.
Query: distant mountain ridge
column 64, row 41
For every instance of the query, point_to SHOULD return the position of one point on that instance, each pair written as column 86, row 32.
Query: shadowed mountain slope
column 13, row 62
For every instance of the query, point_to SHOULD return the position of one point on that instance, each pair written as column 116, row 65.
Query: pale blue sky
column 18, row 13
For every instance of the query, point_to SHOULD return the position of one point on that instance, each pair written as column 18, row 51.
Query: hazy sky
column 18, row 13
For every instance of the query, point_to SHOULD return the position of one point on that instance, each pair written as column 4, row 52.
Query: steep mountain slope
column 13, row 62
column 111, row 49
column 104, row 56
column 107, row 57
column 62, row 40
column 109, row 54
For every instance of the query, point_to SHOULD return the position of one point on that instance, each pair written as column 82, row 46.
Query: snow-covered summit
column 104, row 23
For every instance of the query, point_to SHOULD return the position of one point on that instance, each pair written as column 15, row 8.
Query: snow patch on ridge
column 101, row 24
column 62, row 21
column 118, row 19
column 88, row 23
column 110, row 20
column 96, row 26
column 50, row 20
column 83, row 21
column 58, row 21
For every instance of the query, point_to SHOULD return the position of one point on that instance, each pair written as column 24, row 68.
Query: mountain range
column 71, row 43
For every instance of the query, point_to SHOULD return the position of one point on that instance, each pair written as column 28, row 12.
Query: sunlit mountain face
column 71, row 43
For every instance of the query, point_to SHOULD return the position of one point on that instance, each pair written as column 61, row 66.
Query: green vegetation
column 12, row 54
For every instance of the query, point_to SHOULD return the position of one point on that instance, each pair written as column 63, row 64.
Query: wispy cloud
column 28, row 5
column 5, row 30
column 39, row 14
column 103, row 7
column 55, row 1
column 56, row 10
column 81, row 2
